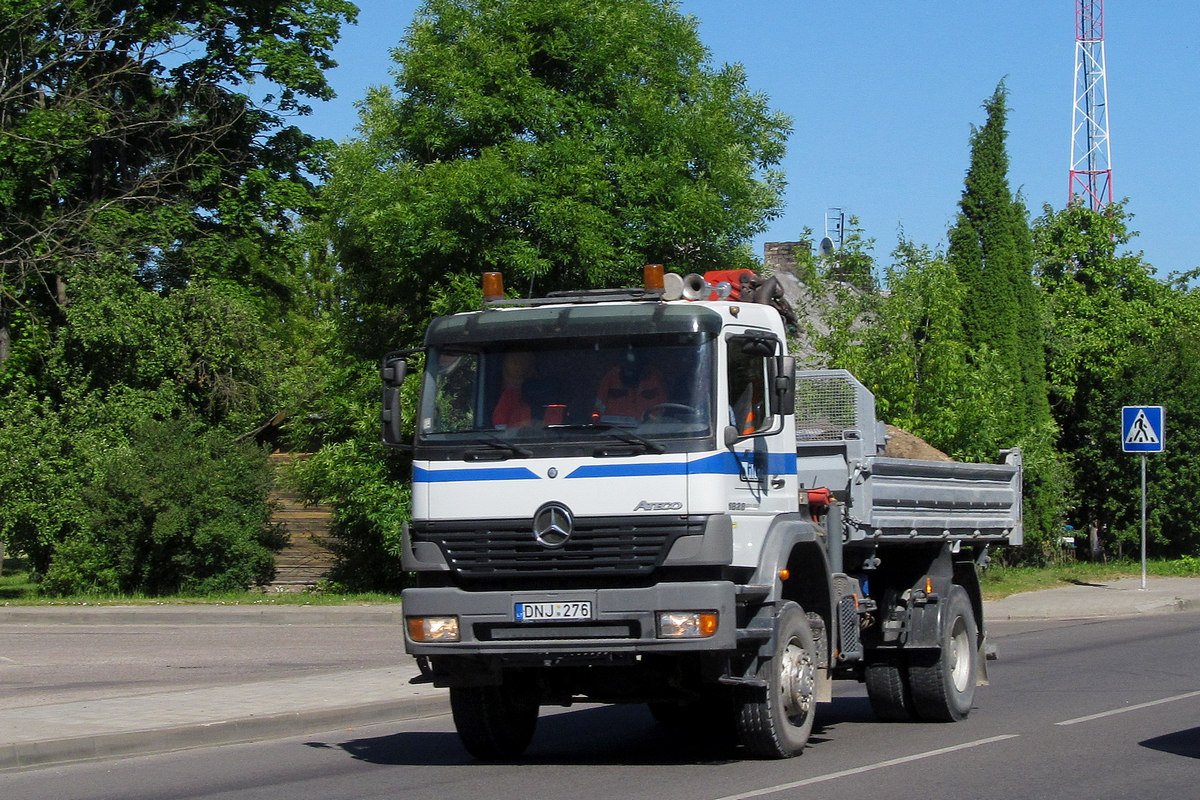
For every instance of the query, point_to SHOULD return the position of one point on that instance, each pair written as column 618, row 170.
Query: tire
column 775, row 722
column 943, row 684
column 494, row 722
column 888, row 689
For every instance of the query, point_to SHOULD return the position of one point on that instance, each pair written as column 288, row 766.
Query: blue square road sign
column 1143, row 429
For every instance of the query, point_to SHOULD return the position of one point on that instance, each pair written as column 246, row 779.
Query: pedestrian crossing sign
column 1142, row 429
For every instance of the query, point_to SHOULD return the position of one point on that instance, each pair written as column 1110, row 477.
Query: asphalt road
column 1081, row 709
column 63, row 663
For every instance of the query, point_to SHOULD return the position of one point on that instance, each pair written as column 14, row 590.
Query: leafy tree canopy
column 127, row 137
column 1117, row 336
column 148, row 182
column 562, row 142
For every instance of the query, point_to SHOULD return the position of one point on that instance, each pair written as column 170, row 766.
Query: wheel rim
column 797, row 679
column 960, row 655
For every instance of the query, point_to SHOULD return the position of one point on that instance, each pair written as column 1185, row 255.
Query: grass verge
column 1000, row 581
column 18, row 589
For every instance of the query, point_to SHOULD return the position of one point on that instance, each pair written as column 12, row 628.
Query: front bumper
column 624, row 621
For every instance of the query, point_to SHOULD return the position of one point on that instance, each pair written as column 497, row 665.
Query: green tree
column 1109, row 320
column 991, row 250
column 909, row 348
column 146, row 200
column 1166, row 372
column 123, row 132
column 564, row 143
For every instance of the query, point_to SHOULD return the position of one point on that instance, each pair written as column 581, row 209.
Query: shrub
column 178, row 509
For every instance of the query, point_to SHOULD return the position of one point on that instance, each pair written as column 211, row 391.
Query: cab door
column 759, row 436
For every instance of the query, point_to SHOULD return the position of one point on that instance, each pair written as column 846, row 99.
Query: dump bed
column 839, row 444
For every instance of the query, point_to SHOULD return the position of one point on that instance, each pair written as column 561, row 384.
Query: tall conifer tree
column 983, row 247
column 991, row 250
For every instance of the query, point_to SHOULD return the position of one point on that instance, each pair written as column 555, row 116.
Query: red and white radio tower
column 1091, row 170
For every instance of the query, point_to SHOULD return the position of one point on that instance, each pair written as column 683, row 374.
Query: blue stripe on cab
column 628, row 470
column 422, row 475
column 717, row 464
column 727, row 463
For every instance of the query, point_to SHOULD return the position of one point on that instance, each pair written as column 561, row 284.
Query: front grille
column 601, row 546
column 517, row 633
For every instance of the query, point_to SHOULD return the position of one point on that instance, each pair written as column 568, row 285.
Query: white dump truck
column 633, row 496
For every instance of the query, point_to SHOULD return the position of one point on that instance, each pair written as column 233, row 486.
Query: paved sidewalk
column 110, row 681
column 174, row 720
column 1119, row 598
column 92, row 682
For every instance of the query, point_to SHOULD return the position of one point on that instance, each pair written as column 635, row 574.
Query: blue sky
column 883, row 94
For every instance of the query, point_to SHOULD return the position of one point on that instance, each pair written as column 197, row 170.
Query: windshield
column 631, row 392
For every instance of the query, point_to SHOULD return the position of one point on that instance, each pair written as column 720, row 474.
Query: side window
column 455, row 377
column 748, row 384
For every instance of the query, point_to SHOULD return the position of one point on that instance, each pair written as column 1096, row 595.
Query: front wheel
column 494, row 722
column 775, row 722
column 943, row 683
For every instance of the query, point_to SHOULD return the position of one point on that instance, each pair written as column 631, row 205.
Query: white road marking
column 832, row 776
column 1116, row 711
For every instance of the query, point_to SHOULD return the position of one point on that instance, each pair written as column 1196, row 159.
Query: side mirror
column 392, row 375
column 731, row 436
column 393, row 370
column 761, row 346
column 783, row 381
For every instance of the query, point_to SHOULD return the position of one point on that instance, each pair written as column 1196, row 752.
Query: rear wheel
column 775, row 722
column 943, row 684
column 887, row 688
column 494, row 722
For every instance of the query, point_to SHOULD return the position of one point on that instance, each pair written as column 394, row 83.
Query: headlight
column 686, row 624
column 433, row 629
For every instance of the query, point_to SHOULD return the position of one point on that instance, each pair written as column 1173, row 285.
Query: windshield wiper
column 505, row 450
column 616, row 431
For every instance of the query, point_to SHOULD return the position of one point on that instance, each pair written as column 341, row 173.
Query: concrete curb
column 24, row 755
column 1160, row 607
column 201, row 615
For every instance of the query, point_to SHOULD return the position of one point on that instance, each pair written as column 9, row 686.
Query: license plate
column 538, row 612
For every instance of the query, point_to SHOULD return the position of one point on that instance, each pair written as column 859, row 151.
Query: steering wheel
column 678, row 411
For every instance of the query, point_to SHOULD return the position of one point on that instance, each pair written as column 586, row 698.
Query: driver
column 512, row 407
column 630, row 389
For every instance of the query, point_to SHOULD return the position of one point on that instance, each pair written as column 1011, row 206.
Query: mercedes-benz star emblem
column 552, row 525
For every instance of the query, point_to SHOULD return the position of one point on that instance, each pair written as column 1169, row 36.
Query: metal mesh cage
column 826, row 406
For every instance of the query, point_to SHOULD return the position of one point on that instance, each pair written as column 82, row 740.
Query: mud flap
column 981, row 675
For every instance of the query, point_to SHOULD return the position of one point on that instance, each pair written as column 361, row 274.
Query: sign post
column 1143, row 430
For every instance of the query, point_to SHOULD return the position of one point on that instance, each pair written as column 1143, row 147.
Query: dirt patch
column 902, row 444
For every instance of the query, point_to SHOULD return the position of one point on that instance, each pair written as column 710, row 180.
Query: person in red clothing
column 512, row 409
column 630, row 389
